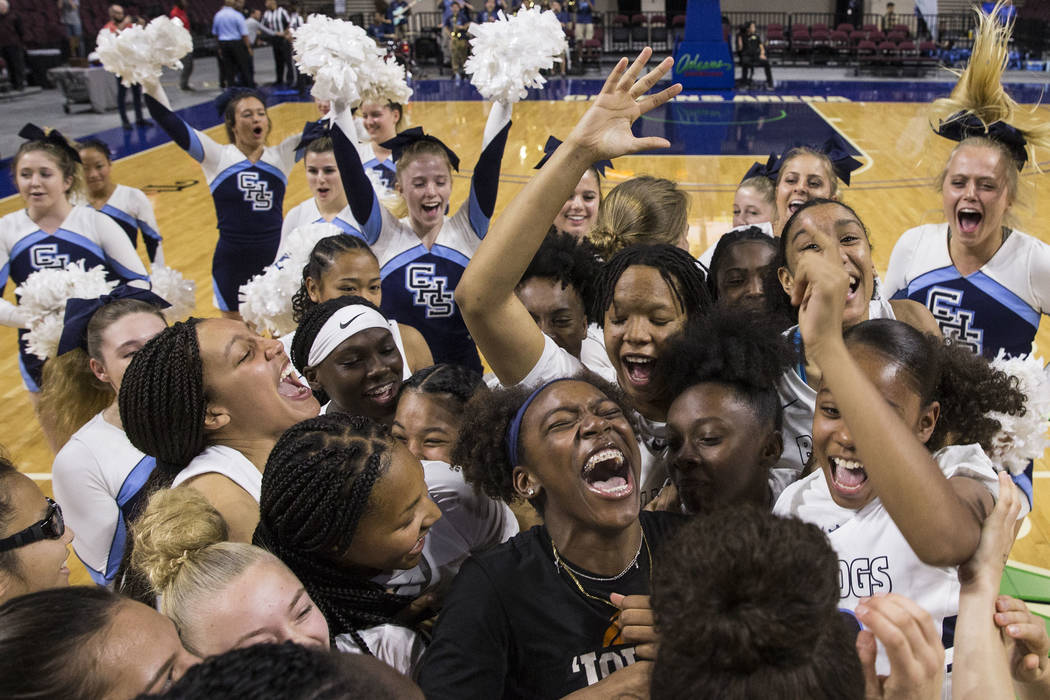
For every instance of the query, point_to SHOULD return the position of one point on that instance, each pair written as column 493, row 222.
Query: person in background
column 752, row 53
column 566, row 24
column 890, row 19
column 490, row 13
column 12, row 49
column 178, row 11
column 118, row 22
column 69, row 11
column 456, row 26
column 584, row 20
column 235, row 49
column 276, row 19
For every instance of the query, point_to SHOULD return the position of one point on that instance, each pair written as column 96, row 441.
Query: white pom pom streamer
column 42, row 297
column 175, row 289
column 337, row 54
column 508, row 54
column 266, row 299
column 1022, row 438
column 385, row 82
column 138, row 55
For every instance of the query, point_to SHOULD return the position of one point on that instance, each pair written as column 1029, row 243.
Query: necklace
column 560, row 564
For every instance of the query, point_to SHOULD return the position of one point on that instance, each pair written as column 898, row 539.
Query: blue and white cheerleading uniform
column 386, row 169
column 98, row 476
column 996, row 307
column 132, row 211
column 84, row 235
column 308, row 213
column 249, row 200
column 419, row 284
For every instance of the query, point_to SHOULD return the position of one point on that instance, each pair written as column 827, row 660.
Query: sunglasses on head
column 50, row 528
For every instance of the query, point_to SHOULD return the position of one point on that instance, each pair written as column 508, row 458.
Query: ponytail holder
column 514, row 429
column 770, row 170
column 837, row 151
column 963, row 125
column 33, row 132
column 552, row 145
column 79, row 312
column 406, row 138
column 180, row 560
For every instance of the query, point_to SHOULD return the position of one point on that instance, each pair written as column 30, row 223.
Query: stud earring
column 532, row 492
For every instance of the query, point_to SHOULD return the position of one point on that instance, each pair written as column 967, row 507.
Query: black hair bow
column 33, row 132
column 837, row 151
column 313, row 131
column 963, row 125
column 406, row 138
column 80, row 311
column 224, row 100
column 552, row 145
column 770, row 169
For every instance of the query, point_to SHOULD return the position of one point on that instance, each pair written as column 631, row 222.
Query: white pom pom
column 1022, row 438
column 42, row 297
column 336, row 54
column 266, row 299
column 385, row 82
column 175, row 289
column 508, row 54
column 138, row 55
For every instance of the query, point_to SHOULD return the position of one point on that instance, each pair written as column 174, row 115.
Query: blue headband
column 514, row 429
column 79, row 313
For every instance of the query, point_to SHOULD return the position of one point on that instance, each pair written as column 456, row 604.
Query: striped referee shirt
column 276, row 20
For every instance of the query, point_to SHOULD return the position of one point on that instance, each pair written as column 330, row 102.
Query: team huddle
column 763, row 473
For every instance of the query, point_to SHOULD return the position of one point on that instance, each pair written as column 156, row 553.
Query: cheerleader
column 754, row 205
column 580, row 210
column 985, row 282
column 129, row 207
column 98, row 473
column 51, row 232
column 247, row 179
column 381, row 123
column 806, row 173
column 328, row 204
column 422, row 256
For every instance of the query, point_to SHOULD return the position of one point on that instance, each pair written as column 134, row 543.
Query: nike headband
column 345, row 322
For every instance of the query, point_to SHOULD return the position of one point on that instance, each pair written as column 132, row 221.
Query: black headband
column 963, row 125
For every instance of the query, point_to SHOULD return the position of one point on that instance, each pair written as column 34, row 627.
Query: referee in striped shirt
column 276, row 20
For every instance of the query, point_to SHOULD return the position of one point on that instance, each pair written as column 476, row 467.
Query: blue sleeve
column 484, row 185
column 364, row 204
column 180, row 132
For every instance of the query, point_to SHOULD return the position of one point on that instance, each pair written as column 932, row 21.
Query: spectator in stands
column 178, row 11
column 397, row 16
column 235, row 50
column 276, row 20
column 11, row 48
column 566, row 25
column 381, row 27
column 752, row 53
column 69, row 11
column 490, row 13
column 890, row 19
column 456, row 26
column 1007, row 12
column 584, row 20
column 118, row 22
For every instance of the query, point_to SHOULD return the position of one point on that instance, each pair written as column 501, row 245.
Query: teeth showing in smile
column 969, row 219
column 382, row 393
column 854, row 284
column 849, row 475
column 639, row 368
column 288, row 384
column 606, row 473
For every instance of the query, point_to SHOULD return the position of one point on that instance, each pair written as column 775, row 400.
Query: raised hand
column 819, row 289
column 604, row 131
column 997, row 538
column 913, row 645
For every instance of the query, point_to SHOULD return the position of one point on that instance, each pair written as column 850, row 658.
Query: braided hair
column 457, row 382
column 322, row 257
column 726, row 243
column 568, row 260
column 316, row 486
column 677, row 268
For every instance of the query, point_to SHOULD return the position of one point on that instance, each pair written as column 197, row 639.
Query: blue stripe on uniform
column 147, row 230
column 413, row 253
column 25, row 242
column 112, row 211
column 232, row 170
column 219, row 301
column 133, row 483
column 1005, row 297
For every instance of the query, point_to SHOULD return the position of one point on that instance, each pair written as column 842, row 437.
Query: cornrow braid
column 324, row 254
column 315, row 488
column 456, row 381
column 677, row 268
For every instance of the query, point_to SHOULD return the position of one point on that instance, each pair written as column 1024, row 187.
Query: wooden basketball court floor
column 892, row 192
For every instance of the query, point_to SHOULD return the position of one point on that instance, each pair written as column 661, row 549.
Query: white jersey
column 593, row 354
column 799, row 401
column 308, row 213
column 97, row 475
column 997, row 307
column 133, row 212
column 874, row 557
column 396, row 646
column 385, row 169
column 219, row 459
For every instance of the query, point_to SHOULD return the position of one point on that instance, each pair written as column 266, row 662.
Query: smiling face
column 362, row 376
column 251, row 388
column 351, row 272
column 803, row 178
column 975, row 195
column 833, row 228
column 579, row 211
column 579, row 450
column 39, row 565
column 750, row 207
column 427, row 425
column 392, row 532
column 643, row 315
column 426, row 184
column 120, row 341
column 742, row 274
column 141, row 652
column 557, row 310
column 96, row 171
column 322, row 177
column 251, row 125
column 720, row 451
column 833, row 449
column 380, row 121
column 40, row 182
column 266, row 604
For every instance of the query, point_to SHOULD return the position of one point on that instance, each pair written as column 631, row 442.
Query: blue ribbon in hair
column 552, row 145
column 313, row 131
column 33, row 132
column 963, row 125
column 80, row 311
column 406, row 138
column 514, row 429
column 770, row 169
column 837, row 151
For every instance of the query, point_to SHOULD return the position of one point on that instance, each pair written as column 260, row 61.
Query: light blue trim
column 219, row 301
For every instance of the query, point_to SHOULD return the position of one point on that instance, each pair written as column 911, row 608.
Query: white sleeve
column 146, row 220
column 555, row 362
column 291, row 221
column 286, row 152
column 87, row 505
column 10, row 315
column 481, row 521
column 1039, row 275
column 120, row 254
column 896, row 274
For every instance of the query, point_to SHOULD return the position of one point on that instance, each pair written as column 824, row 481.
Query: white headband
column 347, row 321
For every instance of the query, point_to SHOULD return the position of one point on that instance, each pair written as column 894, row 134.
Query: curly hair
column 729, row 626
column 324, row 254
column 316, row 486
column 486, row 418
column 965, row 385
column 571, row 261
column 742, row 350
column 678, row 269
column 638, row 211
column 750, row 234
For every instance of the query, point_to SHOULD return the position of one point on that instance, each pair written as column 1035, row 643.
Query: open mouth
column 608, row 474
column 639, row 369
column 322, row 191
column 854, row 285
column 969, row 220
column 384, row 394
column 431, row 209
column 290, row 387
column 258, row 131
column 847, row 475
column 795, row 204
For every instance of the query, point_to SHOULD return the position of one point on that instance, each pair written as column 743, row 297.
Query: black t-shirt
column 752, row 46
column 514, row 626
